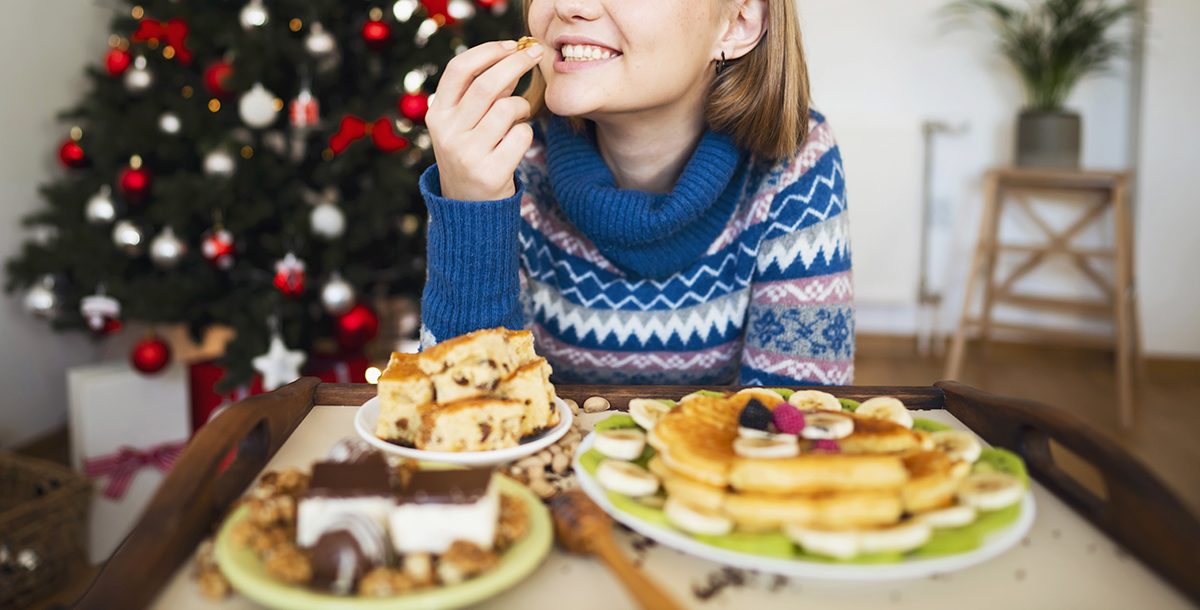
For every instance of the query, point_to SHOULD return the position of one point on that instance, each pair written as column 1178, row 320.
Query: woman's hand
column 476, row 123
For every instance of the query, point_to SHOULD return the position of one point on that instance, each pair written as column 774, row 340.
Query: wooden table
column 1134, row 542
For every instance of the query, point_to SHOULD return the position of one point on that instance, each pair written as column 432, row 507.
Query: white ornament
column 98, row 308
column 425, row 31
column 461, row 9
column 403, row 9
column 328, row 221
column 100, row 208
column 169, row 123
column 166, row 250
column 319, row 42
column 219, row 163
column 414, row 80
column 279, row 366
column 41, row 300
column 258, row 107
column 138, row 78
column 128, row 237
column 254, row 15
column 337, row 295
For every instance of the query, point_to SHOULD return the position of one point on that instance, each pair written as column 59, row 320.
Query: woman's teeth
column 585, row 52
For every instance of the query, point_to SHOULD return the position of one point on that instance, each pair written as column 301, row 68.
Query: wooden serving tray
column 1091, row 473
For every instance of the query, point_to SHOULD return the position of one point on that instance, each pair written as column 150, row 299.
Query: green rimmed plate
column 248, row 574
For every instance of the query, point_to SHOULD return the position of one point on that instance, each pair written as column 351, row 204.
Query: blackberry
column 755, row 415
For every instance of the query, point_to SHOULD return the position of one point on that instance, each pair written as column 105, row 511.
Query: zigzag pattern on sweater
column 783, row 365
column 796, row 209
column 829, row 240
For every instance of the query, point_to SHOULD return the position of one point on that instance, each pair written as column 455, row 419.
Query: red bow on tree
column 173, row 32
column 354, row 128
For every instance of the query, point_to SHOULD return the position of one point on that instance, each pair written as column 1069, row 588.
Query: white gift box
column 110, row 406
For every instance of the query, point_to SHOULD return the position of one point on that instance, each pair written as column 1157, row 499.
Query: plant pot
column 1048, row 139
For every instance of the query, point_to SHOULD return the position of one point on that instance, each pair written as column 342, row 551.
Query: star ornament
column 279, row 366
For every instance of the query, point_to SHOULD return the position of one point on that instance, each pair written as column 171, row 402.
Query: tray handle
column 1136, row 508
column 196, row 493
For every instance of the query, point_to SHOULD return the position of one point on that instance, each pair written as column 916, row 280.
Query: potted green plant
column 1053, row 44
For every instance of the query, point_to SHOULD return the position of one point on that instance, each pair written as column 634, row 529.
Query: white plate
column 995, row 544
column 368, row 414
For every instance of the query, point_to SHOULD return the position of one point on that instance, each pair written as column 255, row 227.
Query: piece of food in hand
column 990, row 490
column 696, row 520
column 473, row 424
column 338, row 488
column 626, row 478
column 646, row 412
column 621, row 444
column 957, row 445
column 814, row 400
column 886, row 407
column 826, row 425
column 402, row 387
column 352, row 545
column 525, row 42
column 438, row 507
column 530, row 385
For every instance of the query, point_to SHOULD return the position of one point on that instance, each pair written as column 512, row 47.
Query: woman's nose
column 572, row 10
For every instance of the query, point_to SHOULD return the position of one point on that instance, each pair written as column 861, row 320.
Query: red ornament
column 117, row 61
column 414, row 106
column 217, row 248
column 216, row 78
column 356, row 327
column 134, row 183
column 440, row 8
column 492, row 3
column 377, row 34
column 150, row 355
column 304, row 111
column 71, row 154
column 289, row 275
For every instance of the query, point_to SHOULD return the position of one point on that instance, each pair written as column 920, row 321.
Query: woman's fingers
column 495, row 83
column 513, row 146
column 463, row 69
column 499, row 120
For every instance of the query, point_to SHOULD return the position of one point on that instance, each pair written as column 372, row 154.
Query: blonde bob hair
column 761, row 99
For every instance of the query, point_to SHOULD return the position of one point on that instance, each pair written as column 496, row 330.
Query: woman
column 685, row 224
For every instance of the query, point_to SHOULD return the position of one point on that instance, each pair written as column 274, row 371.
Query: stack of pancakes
column 883, row 471
column 483, row 390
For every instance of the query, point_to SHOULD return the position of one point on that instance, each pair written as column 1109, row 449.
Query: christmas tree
column 235, row 163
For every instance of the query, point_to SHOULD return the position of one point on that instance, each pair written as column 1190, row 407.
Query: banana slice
column 990, row 490
column 646, row 412
column 957, row 445
column 623, row 444
column 886, row 407
column 744, row 432
column 824, row 425
column 815, row 400
column 775, row 447
column 899, row 538
column 626, row 478
column 695, row 520
column 769, row 398
column 951, row 516
column 830, row 543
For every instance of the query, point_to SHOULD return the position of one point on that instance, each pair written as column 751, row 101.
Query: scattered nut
column 213, row 584
column 596, row 404
column 543, row 488
column 574, row 406
column 530, row 464
column 560, row 463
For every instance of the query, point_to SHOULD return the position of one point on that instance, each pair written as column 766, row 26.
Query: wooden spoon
column 583, row 527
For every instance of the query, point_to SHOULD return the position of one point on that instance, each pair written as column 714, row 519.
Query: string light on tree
column 403, row 10
column 460, row 9
column 100, row 208
column 101, row 312
column 425, row 31
column 128, row 237
column 138, row 78
column 254, row 15
column 169, row 123
column 41, row 300
column 150, row 355
column 167, row 250
column 258, row 107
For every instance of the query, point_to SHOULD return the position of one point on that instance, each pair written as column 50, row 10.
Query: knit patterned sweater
column 741, row 273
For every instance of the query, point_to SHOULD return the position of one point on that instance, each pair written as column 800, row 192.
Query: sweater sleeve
column 800, row 328
column 473, row 269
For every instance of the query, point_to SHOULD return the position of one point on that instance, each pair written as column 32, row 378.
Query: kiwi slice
column 619, row 421
column 992, row 459
column 849, row 404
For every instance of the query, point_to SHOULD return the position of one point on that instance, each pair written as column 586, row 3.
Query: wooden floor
column 1166, row 435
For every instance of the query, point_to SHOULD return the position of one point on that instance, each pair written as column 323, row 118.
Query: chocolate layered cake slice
column 337, row 489
column 402, row 388
column 351, row 545
column 530, row 386
column 439, row 507
column 473, row 424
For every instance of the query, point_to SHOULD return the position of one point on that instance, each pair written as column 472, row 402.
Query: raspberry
column 755, row 415
column 826, row 446
column 788, row 419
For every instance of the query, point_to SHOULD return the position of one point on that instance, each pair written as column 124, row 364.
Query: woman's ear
column 744, row 28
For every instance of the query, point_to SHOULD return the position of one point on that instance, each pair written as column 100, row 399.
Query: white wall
column 46, row 44
column 881, row 68
column 1169, row 181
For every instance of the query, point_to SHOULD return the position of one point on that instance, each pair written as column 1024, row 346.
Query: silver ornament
column 169, row 123
column 414, row 80
column 100, row 208
column 258, row 107
column 166, row 250
column 98, row 309
column 337, row 295
column 41, row 300
column 128, row 237
column 138, row 78
column 253, row 15
column 425, row 31
column 327, row 220
column 403, row 9
column 319, row 42
column 461, row 9
column 219, row 163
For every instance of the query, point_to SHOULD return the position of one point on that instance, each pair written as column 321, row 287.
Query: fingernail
column 509, row 45
column 535, row 50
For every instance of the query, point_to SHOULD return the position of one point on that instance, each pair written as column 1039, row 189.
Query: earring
column 721, row 63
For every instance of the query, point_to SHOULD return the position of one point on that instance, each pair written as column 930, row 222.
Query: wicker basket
column 43, row 520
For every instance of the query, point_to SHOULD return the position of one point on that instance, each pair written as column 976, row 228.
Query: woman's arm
column 800, row 329
column 473, row 267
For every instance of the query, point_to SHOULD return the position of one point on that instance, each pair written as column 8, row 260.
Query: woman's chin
column 570, row 106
